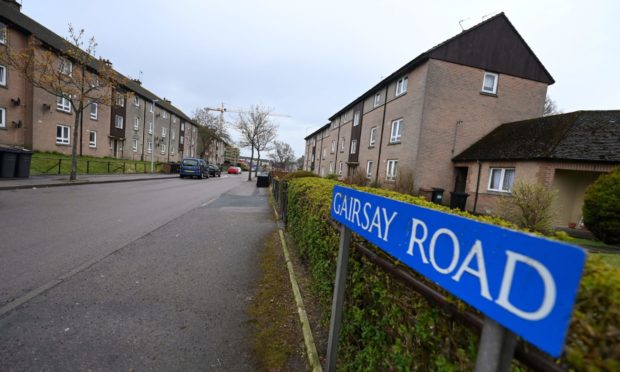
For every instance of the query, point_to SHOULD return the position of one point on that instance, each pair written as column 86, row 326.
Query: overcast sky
column 308, row 59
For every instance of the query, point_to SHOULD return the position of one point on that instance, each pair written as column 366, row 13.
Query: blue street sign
column 526, row 283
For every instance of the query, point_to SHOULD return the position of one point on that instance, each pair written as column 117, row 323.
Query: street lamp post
column 153, row 135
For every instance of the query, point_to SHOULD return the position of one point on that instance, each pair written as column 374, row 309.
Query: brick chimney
column 17, row 6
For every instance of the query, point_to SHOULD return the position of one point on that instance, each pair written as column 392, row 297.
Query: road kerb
column 313, row 356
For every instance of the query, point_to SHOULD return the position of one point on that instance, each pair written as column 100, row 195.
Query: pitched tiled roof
column 11, row 15
column 592, row 136
column 499, row 39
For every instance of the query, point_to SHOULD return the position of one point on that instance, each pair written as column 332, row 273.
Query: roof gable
column 592, row 136
column 493, row 45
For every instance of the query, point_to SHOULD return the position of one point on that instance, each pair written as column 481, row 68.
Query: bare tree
column 282, row 155
column 265, row 137
column 551, row 107
column 211, row 128
column 72, row 74
column 254, row 127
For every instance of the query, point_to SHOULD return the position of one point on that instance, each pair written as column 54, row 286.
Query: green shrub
column 601, row 207
column 529, row 206
column 389, row 326
column 332, row 176
column 299, row 174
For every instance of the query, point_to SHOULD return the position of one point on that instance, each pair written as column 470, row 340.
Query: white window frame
column 369, row 165
column 150, row 127
column 3, row 75
column 342, row 143
column 333, row 146
column 502, row 179
column 373, row 136
column 377, row 100
column 356, row 118
column 495, row 79
column 340, row 168
column 119, row 124
column 65, row 135
column 391, row 170
column 149, row 147
column 181, row 140
column 92, row 139
column 94, row 110
column 163, row 148
column 172, row 133
column 353, row 147
column 331, row 167
column 396, row 131
column 163, row 132
column 2, row 117
column 63, row 104
column 171, row 150
column 62, row 67
column 120, row 100
column 136, row 123
column 134, row 145
column 401, row 85
column 136, row 101
column 151, row 106
column 3, row 33
column 182, row 127
column 164, row 114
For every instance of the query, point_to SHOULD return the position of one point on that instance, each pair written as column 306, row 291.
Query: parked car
column 192, row 167
column 214, row 170
column 234, row 170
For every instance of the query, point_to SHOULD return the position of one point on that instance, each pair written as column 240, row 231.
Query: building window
column 136, row 101
column 2, row 117
column 151, row 106
column 94, row 110
column 149, row 147
column 377, row 100
column 396, row 131
column 353, row 146
column 489, row 83
column 136, row 123
column 134, row 145
column 63, row 103
column 2, row 33
column 172, row 133
column 342, row 145
column 118, row 122
column 150, row 127
column 65, row 67
column 322, row 172
column 181, row 140
column 373, row 136
column 174, row 119
column 62, row 135
column 172, row 150
column 163, row 148
column 324, row 153
column 92, row 139
column 163, row 131
column 331, row 167
column 3, row 75
column 164, row 114
column 369, row 169
column 356, row 118
column 390, row 172
column 401, row 85
column 333, row 146
column 501, row 179
column 340, row 168
column 120, row 100
column 182, row 127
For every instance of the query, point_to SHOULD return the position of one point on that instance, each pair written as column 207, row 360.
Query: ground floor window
column 501, row 179
column 62, row 135
column 369, row 169
column 390, row 173
column 134, row 145
column 92, row 139
column 2, row 117
column 340, row 168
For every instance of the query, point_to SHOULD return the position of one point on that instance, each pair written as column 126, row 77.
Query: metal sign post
column 338, row 301
column 497, row 345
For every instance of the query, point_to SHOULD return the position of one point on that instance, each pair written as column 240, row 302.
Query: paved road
column 146, row 276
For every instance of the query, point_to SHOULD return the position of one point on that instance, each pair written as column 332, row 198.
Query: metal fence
column 58, row 166
column 524, row 353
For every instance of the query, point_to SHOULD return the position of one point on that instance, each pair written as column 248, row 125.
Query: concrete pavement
column 63, row 180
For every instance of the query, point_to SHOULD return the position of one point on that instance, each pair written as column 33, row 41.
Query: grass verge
column 278, row 341
column 56, row 163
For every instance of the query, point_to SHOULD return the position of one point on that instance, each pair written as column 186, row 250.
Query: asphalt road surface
column 133, row 276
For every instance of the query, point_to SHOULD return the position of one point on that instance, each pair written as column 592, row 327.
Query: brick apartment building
column 136, row 125
column 418, row 118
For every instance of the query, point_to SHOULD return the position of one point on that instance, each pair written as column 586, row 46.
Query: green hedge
column 388, row 326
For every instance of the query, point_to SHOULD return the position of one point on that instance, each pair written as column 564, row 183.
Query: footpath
column 63, row 180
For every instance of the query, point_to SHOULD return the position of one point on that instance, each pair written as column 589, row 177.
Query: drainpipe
column 143, row 131
column 381, row 135
column 477, row 186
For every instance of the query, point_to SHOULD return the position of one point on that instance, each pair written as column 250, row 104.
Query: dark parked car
column 191, row 167
column 214, row 170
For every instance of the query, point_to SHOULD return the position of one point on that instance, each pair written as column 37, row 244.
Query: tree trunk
column 76, row 124
column 251, row 160
column 257, row 164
